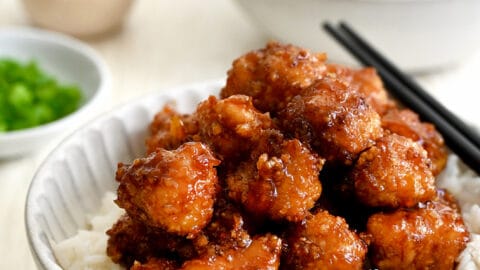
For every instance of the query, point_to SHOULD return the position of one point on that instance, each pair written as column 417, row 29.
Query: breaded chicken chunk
column 428, row 237
column 169, row 130
column 282, row 184
column 407, row 123
column 323, row 242
column 273, row 75
column 130, row 240
column 263, row 252
column 228, row 227
column 395, row 172
column 332, row 118
column 231, row 126
column 155, row 264
column 366, row 82
column 173, row 190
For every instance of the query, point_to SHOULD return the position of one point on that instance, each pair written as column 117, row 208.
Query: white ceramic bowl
column 71, row 182
column 68, row 60
column 74, row 177
column 419, row 35
column 82, row 18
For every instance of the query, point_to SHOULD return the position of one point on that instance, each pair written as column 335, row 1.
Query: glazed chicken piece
column 407, row 123
column 228, row 228
column 227, row 236
column 263, row 252
column 332, row 118
column 155, row 264
column 231, row 126
column 281, row 184
column 130, row 241
column 173, row 190
column 169, row 130
column 395, row 172
column 323, row 242
column 218, row 184
column 428, row 237
column 273, row 75
column 367, row 82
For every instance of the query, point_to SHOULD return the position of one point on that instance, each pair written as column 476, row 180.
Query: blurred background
column 160, row 44
column 152, row 45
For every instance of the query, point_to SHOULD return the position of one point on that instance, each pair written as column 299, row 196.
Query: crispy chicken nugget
column 173, row 190
column 407, row 123
column 282, row 184
column 155, row 264
column 263, row 252
column 367, row 82
column 323, row 242
column 430, row 236
column 231, row 126
column 395, row 172
column 332, row 118
column 170, row 129
column 130, row 241
column 273, row 75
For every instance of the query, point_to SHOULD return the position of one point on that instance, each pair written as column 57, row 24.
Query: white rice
column 86, row 250
column 464, row 184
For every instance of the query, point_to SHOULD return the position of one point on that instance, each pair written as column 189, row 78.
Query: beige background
column 166, row 43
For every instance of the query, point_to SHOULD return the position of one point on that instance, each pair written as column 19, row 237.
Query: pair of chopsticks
column 459, row 137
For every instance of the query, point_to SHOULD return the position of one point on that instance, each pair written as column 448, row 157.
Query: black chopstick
column 458, row 136
column 414, row 86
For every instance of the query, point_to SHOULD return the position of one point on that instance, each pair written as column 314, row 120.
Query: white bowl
column 68, row 60
column 82, row 18
column 72, row 180
column 418, row 35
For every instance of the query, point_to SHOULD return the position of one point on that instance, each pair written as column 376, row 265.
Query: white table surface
column 167, row 43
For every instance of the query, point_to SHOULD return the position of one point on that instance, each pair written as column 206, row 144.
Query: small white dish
column 81, row 18
column 71, row 182
column 69, row 61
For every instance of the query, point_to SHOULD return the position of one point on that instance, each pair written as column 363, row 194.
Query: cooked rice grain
column 86, row 249
column 464, row 184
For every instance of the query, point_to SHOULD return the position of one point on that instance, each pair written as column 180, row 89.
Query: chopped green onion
column 29, row 97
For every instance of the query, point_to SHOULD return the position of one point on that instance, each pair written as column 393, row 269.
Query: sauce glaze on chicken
column 269, row 175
